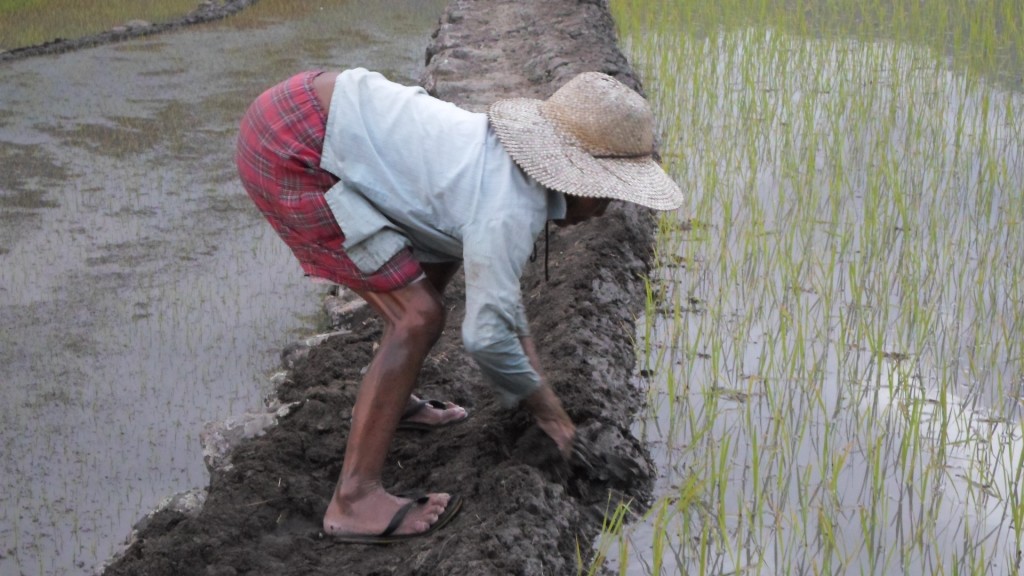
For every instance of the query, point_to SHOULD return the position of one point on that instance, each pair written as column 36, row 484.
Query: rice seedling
column 846, row 396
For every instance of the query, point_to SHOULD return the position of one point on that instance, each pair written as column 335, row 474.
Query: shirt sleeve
column 494, row 256
column 370, row 238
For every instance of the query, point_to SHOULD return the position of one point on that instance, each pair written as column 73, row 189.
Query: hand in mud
column 584, row 455
column 597, row 455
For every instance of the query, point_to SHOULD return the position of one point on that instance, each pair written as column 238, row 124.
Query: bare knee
column 413, row 315
column 422, row 324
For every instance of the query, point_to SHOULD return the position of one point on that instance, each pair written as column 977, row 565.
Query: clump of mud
column 526, row 511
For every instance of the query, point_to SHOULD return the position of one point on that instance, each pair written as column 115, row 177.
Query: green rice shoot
column 836, row 320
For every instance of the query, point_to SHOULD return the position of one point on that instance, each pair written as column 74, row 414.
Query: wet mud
column 526, row 511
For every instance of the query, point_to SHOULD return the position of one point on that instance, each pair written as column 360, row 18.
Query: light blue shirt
column 420, row 172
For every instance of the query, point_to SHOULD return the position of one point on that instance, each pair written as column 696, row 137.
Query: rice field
column 141, row 297
column 30, row 22
column 832, row 347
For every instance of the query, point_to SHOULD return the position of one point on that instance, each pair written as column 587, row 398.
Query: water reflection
column 837, row 376
column 140, row 294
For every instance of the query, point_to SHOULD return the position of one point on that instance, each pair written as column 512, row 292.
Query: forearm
column 546, row 407
column 531, row 354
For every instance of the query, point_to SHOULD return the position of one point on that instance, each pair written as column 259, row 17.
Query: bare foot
column 371, row 513
column 433, row 415
column 551, row 418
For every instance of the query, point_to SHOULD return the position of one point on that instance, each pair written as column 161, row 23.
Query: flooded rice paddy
column 834, row 336
column 33, row 22
column 141, row 295
column 833, row 339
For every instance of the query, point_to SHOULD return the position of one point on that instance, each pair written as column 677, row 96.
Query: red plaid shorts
column 278, row 158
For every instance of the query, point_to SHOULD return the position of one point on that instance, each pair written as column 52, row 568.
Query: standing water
column 141, row 294
column 833, row 339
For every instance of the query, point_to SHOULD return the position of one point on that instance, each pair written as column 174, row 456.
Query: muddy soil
column 526, row 511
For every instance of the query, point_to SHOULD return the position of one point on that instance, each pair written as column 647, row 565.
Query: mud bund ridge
column 526, row 511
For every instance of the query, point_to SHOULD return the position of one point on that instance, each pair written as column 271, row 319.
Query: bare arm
column 531, row 354
column 545, row 406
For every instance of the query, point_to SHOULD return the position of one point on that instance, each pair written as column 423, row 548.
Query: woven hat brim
column 554, row 159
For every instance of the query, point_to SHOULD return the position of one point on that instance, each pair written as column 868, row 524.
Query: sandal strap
column 399, row 516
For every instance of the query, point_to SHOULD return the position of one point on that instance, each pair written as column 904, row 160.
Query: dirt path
column 526, row 511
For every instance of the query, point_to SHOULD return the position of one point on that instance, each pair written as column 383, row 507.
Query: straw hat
column 593, row 137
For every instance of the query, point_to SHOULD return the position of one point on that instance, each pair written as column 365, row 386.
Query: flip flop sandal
column 389, row 537
column 418, row 407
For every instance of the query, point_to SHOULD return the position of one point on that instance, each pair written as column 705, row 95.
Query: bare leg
column 414, row 318
column 439, row 274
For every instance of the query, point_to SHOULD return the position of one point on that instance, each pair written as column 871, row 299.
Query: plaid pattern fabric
column 278, row 158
